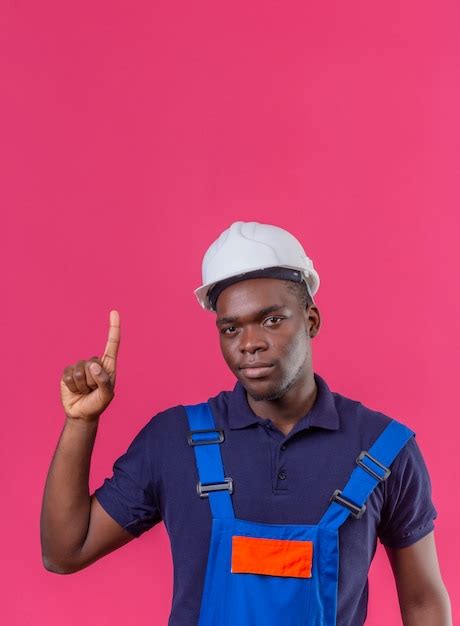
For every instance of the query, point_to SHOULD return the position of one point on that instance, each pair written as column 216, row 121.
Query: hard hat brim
column 201, row 293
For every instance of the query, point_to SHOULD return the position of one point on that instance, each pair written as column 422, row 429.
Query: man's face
column 261, row 325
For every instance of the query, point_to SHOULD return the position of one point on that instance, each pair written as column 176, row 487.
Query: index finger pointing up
column 109, row 358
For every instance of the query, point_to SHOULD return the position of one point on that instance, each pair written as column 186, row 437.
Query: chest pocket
column 272, row 557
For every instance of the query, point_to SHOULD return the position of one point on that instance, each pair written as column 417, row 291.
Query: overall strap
column 372, row 467
column 205, row 439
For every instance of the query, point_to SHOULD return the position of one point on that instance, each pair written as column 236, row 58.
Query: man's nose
column 252, row 339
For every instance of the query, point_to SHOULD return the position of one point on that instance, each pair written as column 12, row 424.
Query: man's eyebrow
column 258, row 314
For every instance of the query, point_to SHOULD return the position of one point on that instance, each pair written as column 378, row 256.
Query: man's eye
column 224, row 330
column 276, row 318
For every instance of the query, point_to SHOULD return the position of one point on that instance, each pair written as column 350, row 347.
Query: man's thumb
column 95, row 369
column 102, row 380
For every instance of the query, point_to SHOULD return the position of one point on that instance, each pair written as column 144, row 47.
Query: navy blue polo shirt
column 277, row 479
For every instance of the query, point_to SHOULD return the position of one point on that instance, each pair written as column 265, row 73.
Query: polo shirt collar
column 323, row 413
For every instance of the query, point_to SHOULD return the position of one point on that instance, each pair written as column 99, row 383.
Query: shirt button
column 284, row 446
column 282, row 475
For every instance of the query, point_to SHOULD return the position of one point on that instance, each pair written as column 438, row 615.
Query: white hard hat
column 248, row 247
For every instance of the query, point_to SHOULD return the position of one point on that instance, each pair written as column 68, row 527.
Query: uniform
column 277, row 480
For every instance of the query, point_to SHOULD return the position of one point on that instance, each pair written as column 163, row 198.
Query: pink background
column 132, row 134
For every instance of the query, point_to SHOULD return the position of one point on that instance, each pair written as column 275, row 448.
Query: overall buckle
column 356, row 510
column 203, row 442
column 369, row 470
column 203, row 490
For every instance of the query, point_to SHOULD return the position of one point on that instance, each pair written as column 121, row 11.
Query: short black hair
column 300, row 290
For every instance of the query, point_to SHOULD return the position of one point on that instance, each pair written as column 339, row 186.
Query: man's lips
column 256, row 370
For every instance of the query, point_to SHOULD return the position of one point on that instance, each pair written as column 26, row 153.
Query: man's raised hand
column 86, row 393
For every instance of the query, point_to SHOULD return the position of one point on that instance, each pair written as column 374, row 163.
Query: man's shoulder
column 362, row 418
column 353, row 409
column 173, row 419
column 363, row 425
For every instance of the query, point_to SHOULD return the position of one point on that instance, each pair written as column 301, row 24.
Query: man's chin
column 259, row 391
column 262, row 389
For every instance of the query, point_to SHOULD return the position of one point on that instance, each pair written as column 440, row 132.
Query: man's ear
column 314, row 320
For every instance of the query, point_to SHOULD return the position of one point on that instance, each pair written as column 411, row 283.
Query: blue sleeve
column 408, row 511
column 128, row 495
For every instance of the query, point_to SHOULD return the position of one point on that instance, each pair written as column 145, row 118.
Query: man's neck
column 285, row 412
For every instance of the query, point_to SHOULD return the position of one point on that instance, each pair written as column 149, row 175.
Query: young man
column 273, row 494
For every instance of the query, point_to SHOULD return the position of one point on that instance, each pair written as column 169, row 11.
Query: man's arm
column 75, row 530
column 423, row 598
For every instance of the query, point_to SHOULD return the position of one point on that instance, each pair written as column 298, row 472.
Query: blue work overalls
column 277, row 574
